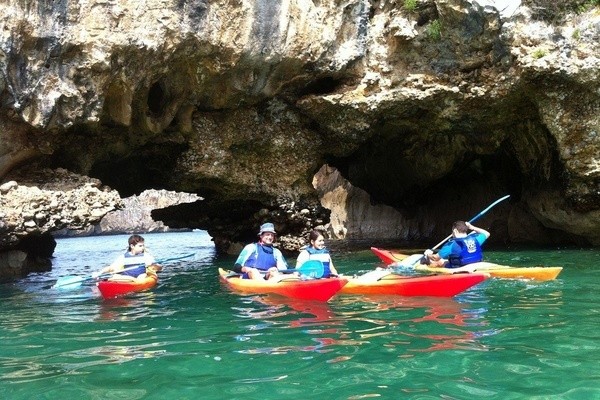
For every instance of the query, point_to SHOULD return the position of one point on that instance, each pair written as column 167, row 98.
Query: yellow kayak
column 500, row 271
column 493, row 270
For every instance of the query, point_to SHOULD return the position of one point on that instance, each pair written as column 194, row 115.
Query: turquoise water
column 190, row 338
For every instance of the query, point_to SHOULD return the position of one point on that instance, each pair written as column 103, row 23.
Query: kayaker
column 261, row 260
column 464, row 248
column 316, row 250
column 135, row 264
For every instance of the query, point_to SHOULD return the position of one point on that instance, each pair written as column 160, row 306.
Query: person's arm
column 239, row 268
column 302, row 258
column 281, row 263
column 149, row 259
column 151, row 264
column 242, row 258
column 332, row 268
column 116, row 266
column 446, row 250
column 479, row 231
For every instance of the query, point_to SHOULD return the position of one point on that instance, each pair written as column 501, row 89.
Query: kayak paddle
column 410, row 261
column 310, row 268
column 475, row 218
column 74, row 281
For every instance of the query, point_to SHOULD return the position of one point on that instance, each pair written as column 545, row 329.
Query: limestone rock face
column 64, row 200
column 433, row 112
column 135, row 215
column 30, row 213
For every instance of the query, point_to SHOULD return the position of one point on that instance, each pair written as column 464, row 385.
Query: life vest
column 130, row 261
column 320, row 255
column 263, row 258
column 465, row 251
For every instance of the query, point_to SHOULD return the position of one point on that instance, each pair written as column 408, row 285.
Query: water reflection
column 314, row 319
column 406, row 325
column 417, row 324
column 128, row 308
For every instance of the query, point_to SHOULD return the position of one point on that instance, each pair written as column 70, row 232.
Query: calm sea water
column 190, row 338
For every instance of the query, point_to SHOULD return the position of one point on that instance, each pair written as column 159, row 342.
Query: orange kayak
column 431, row 285
column 293, row 287
column 110, row 289
column 494, row 270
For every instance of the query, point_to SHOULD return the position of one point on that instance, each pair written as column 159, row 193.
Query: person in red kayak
column 316, row 250
column 261, row 260
column 464, row 248
column 135, row 264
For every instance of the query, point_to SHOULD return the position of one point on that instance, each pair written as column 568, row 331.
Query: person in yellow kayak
column 261, row 260
column 316, row 250
column 464, row 248
column 135, row 264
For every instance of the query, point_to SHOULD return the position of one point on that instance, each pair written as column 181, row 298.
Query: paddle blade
column 69, row 282
column 312, row 269
column 409, row 262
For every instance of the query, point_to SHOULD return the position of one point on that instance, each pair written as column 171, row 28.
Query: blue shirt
column 448, row 248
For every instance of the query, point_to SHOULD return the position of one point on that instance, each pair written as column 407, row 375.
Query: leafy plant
column 539, row 53
column 434, row 30
column 410, row 5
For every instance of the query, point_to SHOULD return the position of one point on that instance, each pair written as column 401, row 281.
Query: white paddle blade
column 409, row 262
column 70, row 282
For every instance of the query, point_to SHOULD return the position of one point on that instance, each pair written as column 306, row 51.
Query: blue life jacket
column 465, row 251
column 262, row 259
column 320, row 255
column 133, row 260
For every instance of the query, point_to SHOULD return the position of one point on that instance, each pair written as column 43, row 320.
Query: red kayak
column 293, row 287
column 382, row 282
column 388, row 257
column 110, row 289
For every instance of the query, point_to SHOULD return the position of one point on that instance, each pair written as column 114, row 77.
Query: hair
column 314, row 235
column 460, row 226
column 133, row 240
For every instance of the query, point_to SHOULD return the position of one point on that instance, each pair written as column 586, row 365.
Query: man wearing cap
column 261, row 260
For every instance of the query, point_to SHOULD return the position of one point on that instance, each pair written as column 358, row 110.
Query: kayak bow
column 110, row 289
column 388, row 257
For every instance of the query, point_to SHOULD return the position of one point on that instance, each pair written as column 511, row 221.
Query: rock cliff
column 134, row 216
column 38, row 202
column 429, row 109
